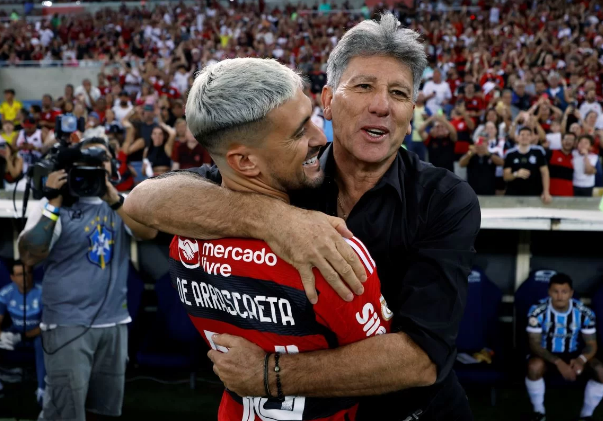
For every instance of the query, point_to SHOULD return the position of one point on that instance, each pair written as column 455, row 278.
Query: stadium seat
column 172, row 341
column 479, row 329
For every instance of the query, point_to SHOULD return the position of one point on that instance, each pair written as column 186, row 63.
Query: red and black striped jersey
column 240, row 287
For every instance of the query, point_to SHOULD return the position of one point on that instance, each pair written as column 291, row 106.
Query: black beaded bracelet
column 277, row 369
column 266, row 381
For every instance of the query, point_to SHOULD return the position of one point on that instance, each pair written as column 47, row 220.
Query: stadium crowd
column 511, row 99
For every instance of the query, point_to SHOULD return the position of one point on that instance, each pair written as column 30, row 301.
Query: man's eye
column 399, row 93
column 363, row 86
column 300, row 134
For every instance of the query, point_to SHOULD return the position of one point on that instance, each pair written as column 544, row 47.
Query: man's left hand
column 112, row 196
column 241, row 368
column 577, row 365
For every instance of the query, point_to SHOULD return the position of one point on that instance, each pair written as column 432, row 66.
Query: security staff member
column 418, row 222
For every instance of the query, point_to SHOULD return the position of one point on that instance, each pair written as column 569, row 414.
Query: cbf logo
column 101, row 240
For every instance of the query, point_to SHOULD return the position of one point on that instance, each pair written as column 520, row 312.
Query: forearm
column 139, row 230
column 373, row 366
column 546, row 181
column 539, row 351
column 166, row 203
column 34, row 244
column 590, row 350
column 464, row 161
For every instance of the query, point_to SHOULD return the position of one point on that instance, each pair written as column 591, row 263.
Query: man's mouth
column 376, row 132
column 310, row 162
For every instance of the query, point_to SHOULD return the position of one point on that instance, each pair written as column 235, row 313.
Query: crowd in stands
column 511, row 99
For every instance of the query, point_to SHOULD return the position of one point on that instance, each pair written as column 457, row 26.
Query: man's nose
column 318, row 138
column 379, row 102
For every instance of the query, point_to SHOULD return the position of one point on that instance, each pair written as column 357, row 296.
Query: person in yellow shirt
column 10, row 107
column 8, row 134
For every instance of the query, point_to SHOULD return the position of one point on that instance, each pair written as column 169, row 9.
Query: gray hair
column 383, row 38
column 230, row 99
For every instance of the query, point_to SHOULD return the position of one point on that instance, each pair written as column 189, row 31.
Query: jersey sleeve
column 588, row 322
column 508, row 161
column 535, row 320
column 365, row 316
column 541, row 159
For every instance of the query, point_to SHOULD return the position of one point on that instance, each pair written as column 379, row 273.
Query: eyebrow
column 368, row 78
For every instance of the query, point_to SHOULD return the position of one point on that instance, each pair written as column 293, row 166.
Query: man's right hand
column 56, row 180
column 565, row 370
column 308, row 239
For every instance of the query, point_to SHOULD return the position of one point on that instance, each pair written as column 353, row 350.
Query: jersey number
column 291, row 409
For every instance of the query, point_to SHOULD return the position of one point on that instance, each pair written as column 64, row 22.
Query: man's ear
column 327, row 98
column 242, row 161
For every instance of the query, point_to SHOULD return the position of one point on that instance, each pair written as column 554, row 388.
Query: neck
column 523, row 148
column 561, row 309
column 25, row 290
column 355, row 177
column 252, row 185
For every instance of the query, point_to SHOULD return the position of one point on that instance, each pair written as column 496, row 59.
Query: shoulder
column 511, row 151
column 7, row 291
column 582, row 308
column 538, row 309
column 537, row 148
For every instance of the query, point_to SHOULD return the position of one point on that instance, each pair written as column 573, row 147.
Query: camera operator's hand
column 112, row 196
column 56, row 180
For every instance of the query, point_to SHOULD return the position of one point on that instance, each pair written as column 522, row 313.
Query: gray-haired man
column 418, row 222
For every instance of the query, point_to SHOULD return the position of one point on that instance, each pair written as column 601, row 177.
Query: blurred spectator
column 585, row 163
column 123, row 107
column 29, row 143
column 553, row 138
column 440, row 141
column 526, row 171
column 590, row 104
column 8, row 134
column 521, row 99
column 561, row 166
column 93, row 127
column 437, row 93
column 90, row 94
column 24, row 329
column 157, row 156
column 420, row 114
column 11, row 166
column 189, row 153
column 481, row 166
column 10, row 107
column 48, row 114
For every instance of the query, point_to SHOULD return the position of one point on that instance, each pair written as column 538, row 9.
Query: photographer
column 86, row 255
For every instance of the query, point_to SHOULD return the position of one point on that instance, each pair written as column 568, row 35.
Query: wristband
column 52, row 209
column 50, row 193
column 583, row 358
column 266, row 382
column 279, row 388
column 115, row 206
column 50, row 215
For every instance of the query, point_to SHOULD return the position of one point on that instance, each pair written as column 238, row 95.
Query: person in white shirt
column 585, row 163
column 123, row 107
column 553, row 139
column 437, row 92
column 590, row 104
column 89, row 93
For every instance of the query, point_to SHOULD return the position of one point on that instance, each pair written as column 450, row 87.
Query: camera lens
column 87, row 181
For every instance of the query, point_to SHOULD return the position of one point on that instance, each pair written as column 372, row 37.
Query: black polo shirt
column 481, row 175
column 419, row 224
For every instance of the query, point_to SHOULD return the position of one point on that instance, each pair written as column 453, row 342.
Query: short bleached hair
column 229, row 100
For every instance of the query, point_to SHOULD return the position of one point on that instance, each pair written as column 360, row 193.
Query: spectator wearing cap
column 585, row 163
column 10, row 107
column 481, row 166
column 123, row 107
column 93, row 126
column 88, row 93
column 561, row 166
column 30, row 142
column 440, row 141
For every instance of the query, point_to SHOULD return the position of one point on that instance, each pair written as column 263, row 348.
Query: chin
column 372, row 154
